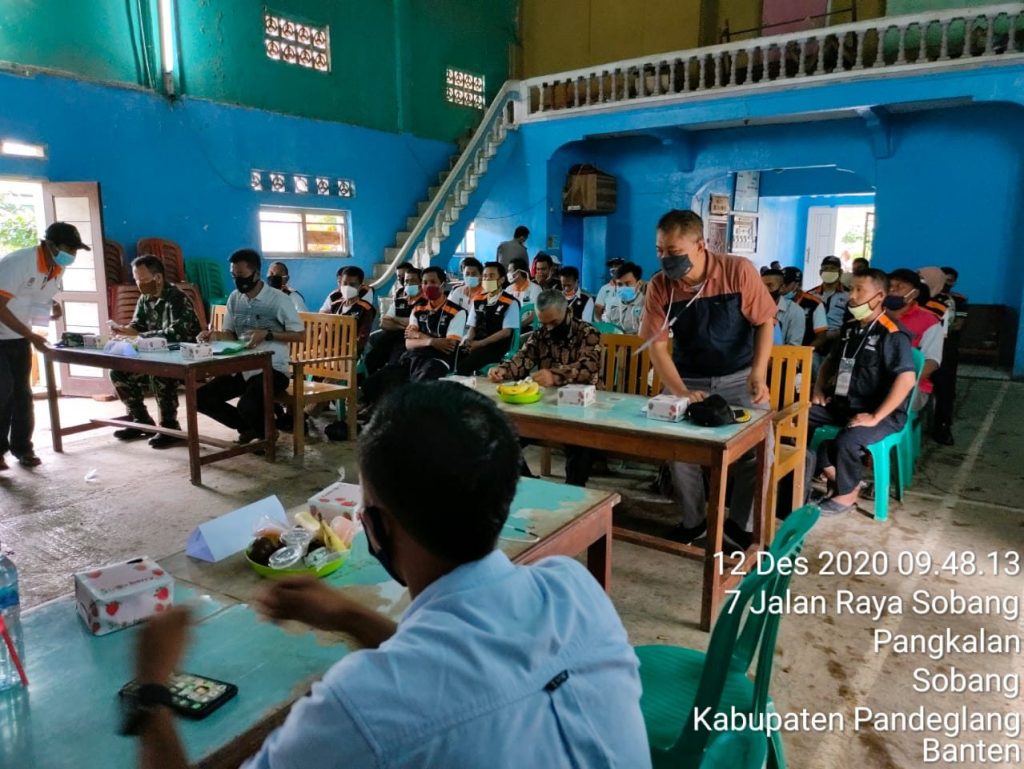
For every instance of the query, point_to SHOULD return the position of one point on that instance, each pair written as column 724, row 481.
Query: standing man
column 164, row 311
column 607, row 291
column 351, row 300
column 789, row 318
column 581, row 305
column 515, row 248
column 721, row 318
column 277, row 277
column 29, row 279
column 268, row 320
column 625, row 307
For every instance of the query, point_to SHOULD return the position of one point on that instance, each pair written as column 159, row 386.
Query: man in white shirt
column 625, row 306
column 472, row 273
column 493, row 321
column 607, row 291
column 522, row 289
column 268, row 320
column 515, row 248
column 29, row 279
column 277, row 277
column 580, row 305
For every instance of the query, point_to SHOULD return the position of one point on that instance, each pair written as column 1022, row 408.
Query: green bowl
column 323, row 571
column 521, row 399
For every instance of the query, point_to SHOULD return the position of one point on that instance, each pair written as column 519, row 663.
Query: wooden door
column 821, row 241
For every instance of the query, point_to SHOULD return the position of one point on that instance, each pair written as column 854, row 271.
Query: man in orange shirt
column 721, row 318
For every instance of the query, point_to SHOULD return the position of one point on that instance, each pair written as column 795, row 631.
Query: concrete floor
column 966, row 497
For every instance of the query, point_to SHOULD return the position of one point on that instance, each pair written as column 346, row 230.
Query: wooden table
column 69, row 718
column 617, row 423
column 170, row 364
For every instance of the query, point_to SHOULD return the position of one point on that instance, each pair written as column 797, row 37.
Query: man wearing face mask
column 721, row 319
column 522, row 288
column 29, row 279
column 469, row 291
column 581, row 305
column 625, row 308
column 268, row 320
column 565, row 350
column 492, row 666
column 907, row 293
column 863, row 386
column 349, row 300
column 277, row 277
column 790, row 320
column 607, row 292
column 164, row 311
column 493, row 319
column 832, row 293
column 815, row 323
column 387, row 344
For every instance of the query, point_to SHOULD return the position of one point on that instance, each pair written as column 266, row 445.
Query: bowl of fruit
column 524, row 391
column 311, row 547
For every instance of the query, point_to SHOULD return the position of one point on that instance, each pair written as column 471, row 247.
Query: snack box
column 120, row 595
column 468, row 381
column 577, row 395
column 150, row 344
column 337, row 499
column 195, row 350
column 667, row 408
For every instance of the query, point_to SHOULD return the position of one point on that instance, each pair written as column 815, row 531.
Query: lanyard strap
column 863, row 340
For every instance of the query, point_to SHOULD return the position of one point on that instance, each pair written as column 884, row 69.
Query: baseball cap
column 66, row 235
column 831, row 261
column 792, row 275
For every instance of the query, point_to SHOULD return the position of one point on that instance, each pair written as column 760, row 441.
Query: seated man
column 869, row 373
column 492, row 666
column 464, row 295
column 493, row 320
column 268, row 320
column 581, row 305
column 606, row 291
column 350, row 299
column 522, row 289
column 400, row 272
column 544, row 272
column 907, row 294
column 387, row 344
column 625, row 307
column 162, row 310
column 564, row 350
column 277, row 277
column 815, row 323
column 790, row 320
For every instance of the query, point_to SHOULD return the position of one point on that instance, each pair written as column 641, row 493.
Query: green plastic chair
column 512, row 350
column 902, row 441
column 737, row 750
column 607, row 328
column 677, row 680
column 208, row 275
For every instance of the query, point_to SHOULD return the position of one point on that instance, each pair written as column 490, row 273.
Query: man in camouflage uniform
column 565, row 350
column 162, row 311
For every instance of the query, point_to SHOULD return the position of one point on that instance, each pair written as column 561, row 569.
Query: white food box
column 123, row 594
column 195, row 350
column 667, row 408
column 337, row 499
column 150, row 343
column 577, row 395
column 468, row 381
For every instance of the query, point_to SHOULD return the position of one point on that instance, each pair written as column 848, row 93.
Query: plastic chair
column 209, row 276
column 529, row 307
column 676, row 680
column 517, row 336
column 607, row 328
column 168, row 252
column 737, row 750
column 901, row 440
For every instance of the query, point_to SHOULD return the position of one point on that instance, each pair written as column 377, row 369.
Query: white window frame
column 304, row 252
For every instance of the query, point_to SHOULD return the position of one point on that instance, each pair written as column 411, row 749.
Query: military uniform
column 171, row 316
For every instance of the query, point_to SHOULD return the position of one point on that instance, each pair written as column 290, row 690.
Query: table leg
column 599, row 558
column 712, row 591
column 762, row 515
column 269, row 424
column 51, row 397
column 192, row 427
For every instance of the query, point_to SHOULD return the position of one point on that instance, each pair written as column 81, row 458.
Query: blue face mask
column 64, row 259
column 472, row 281
column 790, row 295
column 627, row 293
column 412, row 290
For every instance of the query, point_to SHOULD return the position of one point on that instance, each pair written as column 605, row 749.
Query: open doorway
column 846, row 231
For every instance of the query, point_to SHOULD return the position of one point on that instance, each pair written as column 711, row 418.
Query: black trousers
column 17, row 419
column 846, row 452
column 384, row 348
column 578, row 462
column 423, row 365
column 212, row 399
column 485, row 356
column 944, row 382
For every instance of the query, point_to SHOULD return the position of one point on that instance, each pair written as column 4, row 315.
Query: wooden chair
column 323, row 369
column 217, row 313
column 169, row 253
column 790, row 385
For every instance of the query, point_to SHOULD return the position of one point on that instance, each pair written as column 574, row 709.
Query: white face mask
column 829, row 277
column 349, row 292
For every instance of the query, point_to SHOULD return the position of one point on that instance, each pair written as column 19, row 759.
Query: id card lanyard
column 846, row 363
column 669, row 320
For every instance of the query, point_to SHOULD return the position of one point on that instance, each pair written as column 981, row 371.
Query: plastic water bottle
column 10, row 608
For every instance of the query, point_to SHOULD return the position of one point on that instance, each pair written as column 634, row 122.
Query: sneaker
column 736, row 535
column 247, row 436
column 687, row 535
column 29, row 460
column 161, row 441
column 830, row 508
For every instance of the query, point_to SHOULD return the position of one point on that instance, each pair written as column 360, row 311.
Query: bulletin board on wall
column 748, row 187
column 718, row 234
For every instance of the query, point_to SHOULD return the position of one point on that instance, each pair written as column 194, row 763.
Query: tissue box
column 195, row 350
column 94, row 341
column 122, row 594
column 667, row 408
column 150, row 344
column 337, row 499
column 468, row 381
column 577, row 395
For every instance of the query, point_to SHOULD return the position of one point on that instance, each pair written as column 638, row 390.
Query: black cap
column 832, row 261
column 792, row 275
column 65, row 234
column 615, row 261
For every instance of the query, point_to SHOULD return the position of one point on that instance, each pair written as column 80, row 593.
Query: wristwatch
column 270, row 336
column 138, row 703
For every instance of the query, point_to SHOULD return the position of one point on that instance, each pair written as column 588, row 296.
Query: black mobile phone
column 192, row 696
column 174, row 346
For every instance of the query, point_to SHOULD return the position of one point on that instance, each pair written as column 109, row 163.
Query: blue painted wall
column 180, row 170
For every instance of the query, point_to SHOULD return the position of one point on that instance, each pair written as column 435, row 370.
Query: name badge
column 845, row 376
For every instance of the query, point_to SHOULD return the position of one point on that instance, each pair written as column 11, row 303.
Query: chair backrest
column 789, row 375
column 217, row 315
column 192, row 292
column 919, row 362
column 328, row 336
column 625, row 366
column 530, row 307
column 169, row 253
column 123, row 299
column 732, row 648
column 113, row 263
column 209, row 277
column 747, row 749
column 607, row 328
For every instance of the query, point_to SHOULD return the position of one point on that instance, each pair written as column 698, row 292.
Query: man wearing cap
column 29, row 279
column 832, row 293
column 816, row 323
column 789, row 318
column 905, row 302
column 607, row 292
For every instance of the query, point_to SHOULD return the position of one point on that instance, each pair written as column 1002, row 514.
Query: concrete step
column 422, row 206
column 390, row 254
column 452, row 160
column 432, row 191
column 443, row 175
column 411, row 222
column 401, row 237
column 379, row 269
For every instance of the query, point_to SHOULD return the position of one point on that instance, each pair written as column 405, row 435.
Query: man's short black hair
column 543, row 258
column 570, row 272
column 453, row 494
column 771, row 272
column 498, row 266
column 681, row 220
column 410, row 270
column 629, row 268
column 149, row 262
column 471, row 261
column 951, row 271
column 432, row 270
column 247, row 256
column 876, row 276
column 521, row 232
column 405, row 266
column 518, row 264
column 282, row 265
column 792, row 275
column 355, row 272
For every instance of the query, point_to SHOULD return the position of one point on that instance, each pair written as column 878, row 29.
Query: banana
column 518, row 388
column 532, row 389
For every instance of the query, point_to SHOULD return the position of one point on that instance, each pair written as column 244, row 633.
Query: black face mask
column 560, row 332
column 894, row 302
column 245, row 285
column 676, row 266
column 373, row 518
column 276, row 281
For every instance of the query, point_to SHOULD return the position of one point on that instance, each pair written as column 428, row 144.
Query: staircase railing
column 433, row 226
column 964, row 37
